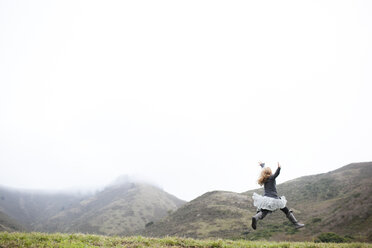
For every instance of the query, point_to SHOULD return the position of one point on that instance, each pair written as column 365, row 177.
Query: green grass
column 15, row 239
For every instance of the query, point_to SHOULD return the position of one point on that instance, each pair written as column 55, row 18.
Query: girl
column 270, row 201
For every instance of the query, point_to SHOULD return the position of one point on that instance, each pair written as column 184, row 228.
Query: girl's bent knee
column 285, row 210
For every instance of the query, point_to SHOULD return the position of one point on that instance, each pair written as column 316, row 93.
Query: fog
column 188, row 95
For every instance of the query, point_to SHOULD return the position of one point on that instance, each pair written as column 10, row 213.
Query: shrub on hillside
column 331, row 237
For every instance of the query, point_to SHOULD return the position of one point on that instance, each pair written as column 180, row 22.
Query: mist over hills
column 338, row 201
column 121, row 208
column 32, row 208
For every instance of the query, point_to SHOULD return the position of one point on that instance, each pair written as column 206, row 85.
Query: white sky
column 186, row 94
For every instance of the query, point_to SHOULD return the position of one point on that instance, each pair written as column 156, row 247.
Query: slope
column 339, row 201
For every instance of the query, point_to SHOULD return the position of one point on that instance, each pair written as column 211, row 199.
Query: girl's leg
column 259, row 216
column 291, row 217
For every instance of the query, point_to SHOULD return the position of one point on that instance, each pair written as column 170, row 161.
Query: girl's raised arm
column 277, row 171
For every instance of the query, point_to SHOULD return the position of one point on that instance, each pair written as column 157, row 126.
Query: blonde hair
column 265, row 174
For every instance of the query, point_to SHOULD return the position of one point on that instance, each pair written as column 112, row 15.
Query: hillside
column 119, row 209
column 8, row 224
column 338, row 201
column 216, row 214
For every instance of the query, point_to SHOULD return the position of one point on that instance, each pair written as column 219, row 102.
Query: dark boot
column 256, row 218
column 259, row 216
column 292, row 219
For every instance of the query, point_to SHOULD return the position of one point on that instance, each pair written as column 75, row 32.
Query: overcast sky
column 186, row 94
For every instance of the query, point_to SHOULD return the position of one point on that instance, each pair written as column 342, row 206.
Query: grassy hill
column 89, row 241
column 338, row 201
column 119, row 209
column 214, row 214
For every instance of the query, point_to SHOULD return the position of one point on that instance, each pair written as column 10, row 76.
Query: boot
column 292, row 219
column 256, row 218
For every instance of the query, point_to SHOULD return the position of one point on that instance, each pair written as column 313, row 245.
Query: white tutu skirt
column 269, row 203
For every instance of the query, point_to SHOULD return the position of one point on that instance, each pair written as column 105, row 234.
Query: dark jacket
column 270, row 185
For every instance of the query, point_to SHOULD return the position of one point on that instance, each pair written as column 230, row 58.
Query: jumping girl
column 270, row 201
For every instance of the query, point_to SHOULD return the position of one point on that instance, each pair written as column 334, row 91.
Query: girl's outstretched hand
column 279, row 165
